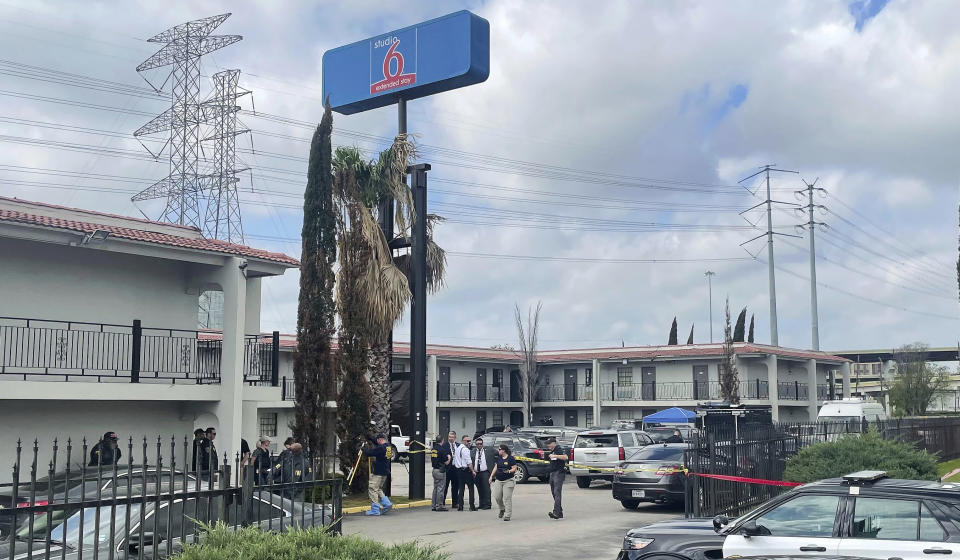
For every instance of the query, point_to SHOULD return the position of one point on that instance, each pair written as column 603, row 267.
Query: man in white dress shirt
column 465, row 473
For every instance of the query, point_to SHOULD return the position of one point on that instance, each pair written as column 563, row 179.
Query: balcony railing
column 567, row 392
column 677, row 391
column 472, row 392
column 288, row 390
column 40, row 349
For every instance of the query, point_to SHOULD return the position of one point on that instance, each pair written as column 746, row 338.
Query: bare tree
column 917, row 381
column 530, row 377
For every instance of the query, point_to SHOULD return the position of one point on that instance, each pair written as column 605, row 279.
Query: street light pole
column 709, row 274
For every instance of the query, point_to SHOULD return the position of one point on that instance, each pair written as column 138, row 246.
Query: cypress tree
column 690, row 338
column 729, row 376
column 738, row 331
column 672, row 340
column 750, row 332
column 313, row 366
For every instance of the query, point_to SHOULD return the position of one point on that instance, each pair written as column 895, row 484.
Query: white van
column 848, row 416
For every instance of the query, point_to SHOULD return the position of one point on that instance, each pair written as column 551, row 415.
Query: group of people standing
column 464, row 466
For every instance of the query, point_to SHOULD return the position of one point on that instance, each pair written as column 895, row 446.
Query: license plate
column 639, row 494
column 593, row 471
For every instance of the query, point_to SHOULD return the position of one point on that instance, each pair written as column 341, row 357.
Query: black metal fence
column 153, row 500
column 762, row 451
column 472, row 392
column 41, row 349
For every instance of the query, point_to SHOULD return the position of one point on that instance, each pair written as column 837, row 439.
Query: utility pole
column 772, row 280
column 709, row 274
column 811, row 226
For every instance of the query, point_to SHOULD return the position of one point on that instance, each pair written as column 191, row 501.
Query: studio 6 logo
column 393, row 62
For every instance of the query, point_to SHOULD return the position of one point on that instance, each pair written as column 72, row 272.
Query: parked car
column 522, row 445
column 158, row 527
column 660, row 433
column 863, row 514
column 565, row 435
column 652, row 474
column 596, row 453
column 399, row 442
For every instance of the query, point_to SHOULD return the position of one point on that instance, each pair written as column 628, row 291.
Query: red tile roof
column 135, row 234
column 589, row 354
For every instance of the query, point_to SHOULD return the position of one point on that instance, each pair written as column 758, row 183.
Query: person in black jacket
column 675, row 438
column 208, row 453
column 294, row 467
column 441, row 463
column 105, row 452
column 198, row 436
column 382, row 456
column 262, row 462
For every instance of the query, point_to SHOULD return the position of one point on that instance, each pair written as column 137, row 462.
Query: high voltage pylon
column 769, row 202
column 222, row 220
column 184, row 45
column 811, row 225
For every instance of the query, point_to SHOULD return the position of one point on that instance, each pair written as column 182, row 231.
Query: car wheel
column 522, row 474
column 394, row 453
column 630, row 504
column 583, row 482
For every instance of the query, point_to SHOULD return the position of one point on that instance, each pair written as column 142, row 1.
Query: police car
column 864, row 514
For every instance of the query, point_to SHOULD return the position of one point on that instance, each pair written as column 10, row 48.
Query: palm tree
column 382, row 280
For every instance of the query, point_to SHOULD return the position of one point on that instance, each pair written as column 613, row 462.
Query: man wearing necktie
column 483, row 460
column 462, row 460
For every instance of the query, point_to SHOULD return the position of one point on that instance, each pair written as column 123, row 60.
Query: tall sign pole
column 442, row 54
column 418, row 328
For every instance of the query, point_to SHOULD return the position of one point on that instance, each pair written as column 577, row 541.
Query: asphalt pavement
column 592, row 528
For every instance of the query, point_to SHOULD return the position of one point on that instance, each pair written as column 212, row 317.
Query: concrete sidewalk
column 592, row 528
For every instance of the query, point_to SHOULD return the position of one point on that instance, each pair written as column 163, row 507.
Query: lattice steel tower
column 222, row 220
column 184, row 45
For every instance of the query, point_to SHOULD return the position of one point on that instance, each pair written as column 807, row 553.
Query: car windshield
column 70, row 531
column 658, row 454
column 659, row 434
column 597, row 440
column 824, row 419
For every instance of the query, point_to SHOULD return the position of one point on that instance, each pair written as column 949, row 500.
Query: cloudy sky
column 609, row 135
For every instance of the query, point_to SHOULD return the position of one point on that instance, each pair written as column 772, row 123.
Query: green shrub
column 868, row 451
column 223, row 543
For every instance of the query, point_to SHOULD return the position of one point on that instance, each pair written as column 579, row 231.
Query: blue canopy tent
column 671, row 416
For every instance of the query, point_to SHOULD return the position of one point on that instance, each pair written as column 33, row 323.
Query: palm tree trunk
column 380, row 386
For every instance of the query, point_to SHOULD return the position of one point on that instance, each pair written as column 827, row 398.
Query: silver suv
column 596, row 453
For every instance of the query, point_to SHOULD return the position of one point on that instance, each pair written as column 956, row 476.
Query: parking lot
column 592, row 528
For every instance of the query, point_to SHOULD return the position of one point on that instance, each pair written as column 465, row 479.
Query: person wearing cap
column 105, row 452
column 379, row 502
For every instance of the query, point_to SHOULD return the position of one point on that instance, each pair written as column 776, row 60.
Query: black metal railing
column 261, row 359
column 288, row 389
column 152, row 501
column 566, row 392
column 680, row 390
column 76, row 350
column 472, row 392
column 761, row 451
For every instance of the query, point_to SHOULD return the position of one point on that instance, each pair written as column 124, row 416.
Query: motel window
column 268, row 424
column 625, row 414
column 624, row 376
column 399, row 367
column 588, row 418
column 497, row 418
column 497, row 379
column 588, row 377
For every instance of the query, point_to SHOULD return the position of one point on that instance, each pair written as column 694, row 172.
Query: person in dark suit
column 483, row 459
column 450, row 484
column 105, row 452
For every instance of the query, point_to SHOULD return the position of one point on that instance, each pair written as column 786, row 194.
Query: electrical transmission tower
column 769, row 202
column 811, row 226
column 184, row 44
column 222, row 220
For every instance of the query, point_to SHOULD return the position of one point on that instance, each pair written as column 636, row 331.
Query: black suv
column 863, row 514
column 522, row 446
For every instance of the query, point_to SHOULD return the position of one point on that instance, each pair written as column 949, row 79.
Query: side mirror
column 751, row 529
column 719, row 522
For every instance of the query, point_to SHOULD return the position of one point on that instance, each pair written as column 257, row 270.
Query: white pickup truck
column 399, row 442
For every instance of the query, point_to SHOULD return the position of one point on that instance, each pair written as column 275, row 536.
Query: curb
column 362, row 509
column 950, row 475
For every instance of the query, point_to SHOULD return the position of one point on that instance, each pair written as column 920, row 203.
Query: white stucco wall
column 59, row 282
